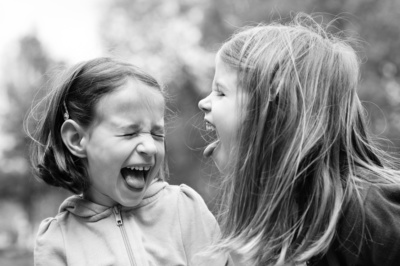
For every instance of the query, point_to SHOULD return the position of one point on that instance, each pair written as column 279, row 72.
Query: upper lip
column 208, row 122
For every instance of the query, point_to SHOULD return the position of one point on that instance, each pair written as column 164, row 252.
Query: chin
column 132, row 203
column 220, row 160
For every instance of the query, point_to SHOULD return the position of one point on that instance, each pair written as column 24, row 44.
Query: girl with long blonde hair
column 303, row 180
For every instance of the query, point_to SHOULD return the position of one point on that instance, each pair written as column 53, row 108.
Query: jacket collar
column 93, row 212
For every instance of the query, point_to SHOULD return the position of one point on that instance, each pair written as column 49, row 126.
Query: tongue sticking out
column 208, row 151
column 133, row 178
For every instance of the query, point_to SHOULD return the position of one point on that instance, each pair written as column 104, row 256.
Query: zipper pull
column 118, row 217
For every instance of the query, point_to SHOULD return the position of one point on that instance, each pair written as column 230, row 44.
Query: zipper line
column 120, row 224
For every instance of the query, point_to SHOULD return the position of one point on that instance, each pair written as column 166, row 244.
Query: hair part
column 301, row 146
column 75, row 92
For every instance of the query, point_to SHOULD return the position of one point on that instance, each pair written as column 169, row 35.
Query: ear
column 74, row 137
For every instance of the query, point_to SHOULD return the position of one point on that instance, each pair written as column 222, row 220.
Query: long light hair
column 303, row 142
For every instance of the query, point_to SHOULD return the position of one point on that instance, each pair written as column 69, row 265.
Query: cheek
column 107, row 156
column 229, row 130
column 161, row 150
column 104, row 153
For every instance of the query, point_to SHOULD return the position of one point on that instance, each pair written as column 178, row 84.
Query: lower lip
column 134, row 189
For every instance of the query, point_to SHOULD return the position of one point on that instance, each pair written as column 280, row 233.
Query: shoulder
column 51, row 226
column 182, row 191
column 49, row 245
column 191, row 207
column 382, row 210
column 189, row 192
column 372, row 227
column 199, row 228
column 387, row 194
column 183, row 203
column 379, row 203
column 188, row 198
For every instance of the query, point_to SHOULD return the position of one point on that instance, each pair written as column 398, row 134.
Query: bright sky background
column 67, row 29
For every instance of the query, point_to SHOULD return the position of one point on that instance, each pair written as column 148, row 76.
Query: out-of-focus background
column 176, row 41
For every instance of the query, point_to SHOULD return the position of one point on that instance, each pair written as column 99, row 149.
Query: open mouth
column 135, row 176
column 211, row 129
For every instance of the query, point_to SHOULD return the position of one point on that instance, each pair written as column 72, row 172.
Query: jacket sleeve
column 199, row 229
column 49, row 246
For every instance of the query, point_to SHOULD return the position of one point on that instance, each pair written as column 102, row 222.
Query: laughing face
column 221, row 113
column 125, row 145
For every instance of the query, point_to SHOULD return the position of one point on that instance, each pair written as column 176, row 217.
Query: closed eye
column 218, row 91
column 128, row 135
column 158, row 135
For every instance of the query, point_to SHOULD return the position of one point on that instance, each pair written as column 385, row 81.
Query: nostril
column 203, row 106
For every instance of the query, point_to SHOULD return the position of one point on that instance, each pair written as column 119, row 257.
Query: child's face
column 125, row 146
column 222, row 114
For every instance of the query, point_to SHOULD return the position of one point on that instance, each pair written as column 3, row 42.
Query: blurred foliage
column 176, row 41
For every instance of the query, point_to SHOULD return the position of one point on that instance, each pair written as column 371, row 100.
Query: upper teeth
column 209, row 127
column 139, row 168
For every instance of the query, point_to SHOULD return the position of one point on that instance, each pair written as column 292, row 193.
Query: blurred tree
column 377, row 24
column 24, row 76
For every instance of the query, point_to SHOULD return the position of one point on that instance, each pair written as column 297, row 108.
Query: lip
column 139, row 165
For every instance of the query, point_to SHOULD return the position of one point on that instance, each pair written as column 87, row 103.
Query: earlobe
column 74, row 138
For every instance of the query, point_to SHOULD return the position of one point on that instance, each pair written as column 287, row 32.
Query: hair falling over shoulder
column 302, row 143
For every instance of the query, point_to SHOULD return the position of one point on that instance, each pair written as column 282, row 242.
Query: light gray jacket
column 169, row 227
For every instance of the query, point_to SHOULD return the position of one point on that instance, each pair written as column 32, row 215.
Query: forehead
column 224, row 74
column 133, row 100
column 223, row 70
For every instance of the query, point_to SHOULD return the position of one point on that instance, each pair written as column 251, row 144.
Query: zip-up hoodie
column 169, row 227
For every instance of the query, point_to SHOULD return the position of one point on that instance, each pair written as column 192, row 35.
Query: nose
column 205, row 104
column 147, row 145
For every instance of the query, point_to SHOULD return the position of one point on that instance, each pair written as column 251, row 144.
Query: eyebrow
column 158, row 128
column 135, row 127
column 131, row 127
column 220, row 85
